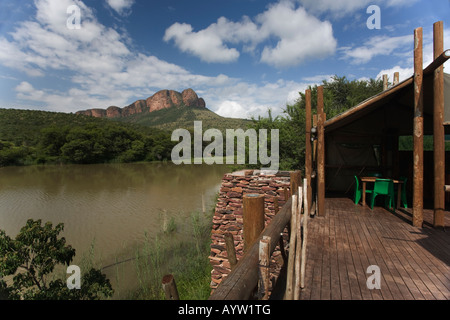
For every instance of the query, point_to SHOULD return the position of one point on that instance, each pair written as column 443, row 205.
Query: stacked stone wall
column 228, row 217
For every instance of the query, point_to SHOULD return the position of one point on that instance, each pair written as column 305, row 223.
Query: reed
column 184, row 256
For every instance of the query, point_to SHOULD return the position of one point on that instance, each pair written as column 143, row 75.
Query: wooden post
column 320, row 153
column 385, row 82
column 292, row 242
column 308, row 154
column 438, row 128
column 314, row 151
column 276, row 206
column 231, row 250
column 296, row 180
column 253, row 216
column 264, row 270
column 418, row 130
column 170, row 288
column 305, row 238
column 298, row 245
column 396, row 78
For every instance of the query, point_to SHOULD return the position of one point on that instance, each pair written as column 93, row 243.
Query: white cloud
column 243, row 100
column 122, row 7
column 206, row 44
column 299, row 37
column 343, row 8
column 405, row 67
column 404, row 73
column 376, row 46
column 95, row 60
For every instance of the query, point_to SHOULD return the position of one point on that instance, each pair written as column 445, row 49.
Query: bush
column 32, row 257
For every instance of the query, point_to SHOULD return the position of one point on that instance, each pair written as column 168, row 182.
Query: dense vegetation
column 30, row 260
column 37, row 137
column 340, row 94
column 183, row 117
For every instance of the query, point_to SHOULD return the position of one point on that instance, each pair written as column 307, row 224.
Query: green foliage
column 30, row 260
column 340, row 94
column 50, row 137
column 183, row 117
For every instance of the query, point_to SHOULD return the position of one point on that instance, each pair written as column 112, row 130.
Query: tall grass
column 183, row 255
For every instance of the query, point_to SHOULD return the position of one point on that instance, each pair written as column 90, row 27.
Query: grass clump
column 185, row 256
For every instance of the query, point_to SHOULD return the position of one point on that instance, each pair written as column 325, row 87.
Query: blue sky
column 242, row 56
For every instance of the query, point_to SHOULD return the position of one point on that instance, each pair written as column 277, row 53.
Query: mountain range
column 163, row 99
column 168, row 110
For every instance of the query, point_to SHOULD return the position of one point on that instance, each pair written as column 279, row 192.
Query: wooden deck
column 414, row 263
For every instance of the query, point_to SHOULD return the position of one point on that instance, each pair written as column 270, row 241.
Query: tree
column 339, row 94
column 31, row 258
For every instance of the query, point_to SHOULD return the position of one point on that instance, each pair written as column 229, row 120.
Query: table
column 364, row 180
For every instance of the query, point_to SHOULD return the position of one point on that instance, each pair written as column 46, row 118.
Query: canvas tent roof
column 399, row 108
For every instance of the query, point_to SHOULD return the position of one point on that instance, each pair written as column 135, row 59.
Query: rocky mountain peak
column 162, row 99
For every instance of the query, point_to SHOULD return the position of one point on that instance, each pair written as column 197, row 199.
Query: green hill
column 184, row 117
column 32, row 136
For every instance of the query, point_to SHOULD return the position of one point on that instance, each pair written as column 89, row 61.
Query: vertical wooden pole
column 289, row 295
column 264, row 270
column 314, row 151
column 253, row 216
column 305, row 237
column 276, row 206
column 298, row 248
column 418, row 130
column 320, row 153
column 438, row 128
column 170, row 288
column 385, row 82
column 231, row 250
column 396, row 78
column 308, row 154
column 296, row 180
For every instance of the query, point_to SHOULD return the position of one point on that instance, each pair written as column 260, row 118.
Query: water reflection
column 109, row 205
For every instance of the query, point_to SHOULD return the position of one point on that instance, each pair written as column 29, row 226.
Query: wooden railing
column 252, row 270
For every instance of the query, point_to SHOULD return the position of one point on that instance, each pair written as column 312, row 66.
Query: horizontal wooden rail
column 243, row 279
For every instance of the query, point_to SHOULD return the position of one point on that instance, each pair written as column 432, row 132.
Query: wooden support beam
column 290, row 276
column 170, row 288
column 305, row 238
column 438, row 128
column 320, row 153
column 242, row 280
column 253, row 216
column 437, row 62
column 231, row 250
column 385, row 82
column 418, row 130
column 298, row 248
column 264, row 270
column 308, row 153
column 296, row 181
column 396, row 78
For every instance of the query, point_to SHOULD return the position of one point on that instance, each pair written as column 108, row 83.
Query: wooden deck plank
column 391, row 264
column 414, row 262
column 334, row 262
column 429, row 268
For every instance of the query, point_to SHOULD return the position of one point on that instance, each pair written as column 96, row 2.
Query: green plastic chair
column 358, row 191
column 384, row 187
